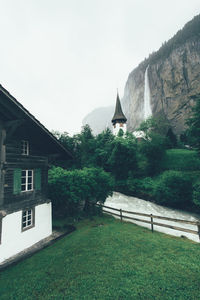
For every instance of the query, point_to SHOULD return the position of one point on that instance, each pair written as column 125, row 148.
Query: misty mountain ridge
column 99, row 119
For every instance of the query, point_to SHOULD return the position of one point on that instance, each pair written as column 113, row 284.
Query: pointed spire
column 118, row 115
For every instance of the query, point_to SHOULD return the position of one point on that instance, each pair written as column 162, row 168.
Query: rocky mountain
column 173, row 78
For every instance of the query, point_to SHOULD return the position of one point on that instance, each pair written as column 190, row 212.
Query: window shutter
column 37, row 178
column 17, row 181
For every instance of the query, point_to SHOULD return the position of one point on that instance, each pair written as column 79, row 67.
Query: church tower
column 119, row 119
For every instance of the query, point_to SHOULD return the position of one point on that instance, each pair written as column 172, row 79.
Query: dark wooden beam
column 2, row 161
column 5, row 113
column 11, row 127
column 54, row 156
column 9, row 106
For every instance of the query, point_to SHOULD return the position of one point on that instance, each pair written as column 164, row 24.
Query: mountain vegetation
column 189, row 32
column 174, row 83
column 193, row 131
column 151, row 168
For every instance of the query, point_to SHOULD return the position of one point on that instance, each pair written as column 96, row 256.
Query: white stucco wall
column 13, row 240
column 117, row 128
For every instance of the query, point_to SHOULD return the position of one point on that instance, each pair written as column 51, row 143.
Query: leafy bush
column 121, row 186
column 123, row 157
column 194, row 125
column 134, row 185
column 196, row 194
column 174, row 189
column 142, row 187
column 157, row 125
column 153, row 150
column 103, row 148
column 73, row 191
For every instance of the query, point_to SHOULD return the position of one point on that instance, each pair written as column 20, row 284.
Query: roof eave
column 29, row 115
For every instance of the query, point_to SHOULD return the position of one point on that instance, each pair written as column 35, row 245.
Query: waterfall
column 147, row 96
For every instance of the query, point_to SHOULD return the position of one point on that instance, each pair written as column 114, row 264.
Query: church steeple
column 119, row 119
column 118, row 115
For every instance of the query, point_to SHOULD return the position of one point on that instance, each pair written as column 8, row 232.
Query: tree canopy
column 188, row 32
column 193, row 123
column 122, row 163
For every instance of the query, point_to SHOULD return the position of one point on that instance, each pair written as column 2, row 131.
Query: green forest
column 160, row 167
column 189, row 32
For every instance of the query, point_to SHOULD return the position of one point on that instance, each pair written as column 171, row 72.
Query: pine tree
column 194, row 125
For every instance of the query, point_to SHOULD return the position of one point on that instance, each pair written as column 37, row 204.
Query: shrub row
column 171, row 188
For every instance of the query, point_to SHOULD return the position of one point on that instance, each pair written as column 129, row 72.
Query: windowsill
column 27, row 228
column 27, row 191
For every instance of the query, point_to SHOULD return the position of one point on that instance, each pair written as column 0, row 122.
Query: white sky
column 63, row 58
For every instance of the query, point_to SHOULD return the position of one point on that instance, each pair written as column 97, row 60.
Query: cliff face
column 174, row 83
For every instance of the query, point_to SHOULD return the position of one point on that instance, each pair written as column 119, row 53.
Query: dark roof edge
column 16, row 102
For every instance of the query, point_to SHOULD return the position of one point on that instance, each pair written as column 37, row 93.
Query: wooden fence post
column 101, row 208
column 120, row 214
column 151, row 223
column 198, row 229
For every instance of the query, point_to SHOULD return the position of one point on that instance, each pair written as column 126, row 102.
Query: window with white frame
column 27, row 180
column 28, row 218
column 24, row 147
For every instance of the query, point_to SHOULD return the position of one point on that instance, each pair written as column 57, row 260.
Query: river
column 121, row 201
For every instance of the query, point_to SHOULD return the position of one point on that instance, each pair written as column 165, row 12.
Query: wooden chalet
column 26, row 148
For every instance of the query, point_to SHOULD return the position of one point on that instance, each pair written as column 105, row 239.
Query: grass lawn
column 106, row 259
column 181, row 160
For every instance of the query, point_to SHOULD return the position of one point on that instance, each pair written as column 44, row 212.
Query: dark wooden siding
column 2, row 162
column 15, row 160
column 0, row 228
column 14, row 147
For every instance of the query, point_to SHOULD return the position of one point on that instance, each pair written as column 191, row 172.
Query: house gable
column 26, row 148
